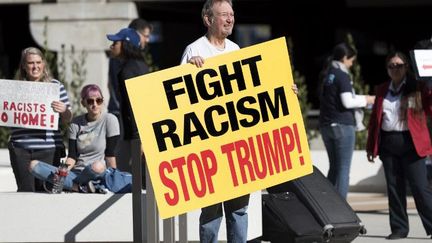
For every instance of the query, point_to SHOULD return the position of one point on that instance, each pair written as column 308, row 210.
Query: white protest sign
column 423, row 63
column 28, row 104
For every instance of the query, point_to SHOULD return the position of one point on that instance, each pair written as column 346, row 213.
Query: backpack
column 117, row 181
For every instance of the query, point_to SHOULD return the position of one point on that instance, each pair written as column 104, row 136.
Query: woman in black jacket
column 126, row 48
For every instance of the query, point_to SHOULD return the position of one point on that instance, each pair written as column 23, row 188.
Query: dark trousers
column 20, row 159
column 401, row 163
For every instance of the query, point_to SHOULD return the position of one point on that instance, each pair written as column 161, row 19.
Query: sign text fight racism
column 221, row 131
column 210, row 84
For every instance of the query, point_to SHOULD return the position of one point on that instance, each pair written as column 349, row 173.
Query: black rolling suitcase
column 287, row 220
column 338, row 220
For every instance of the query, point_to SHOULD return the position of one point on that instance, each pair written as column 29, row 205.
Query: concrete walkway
column 378, row 228
column 371, row 209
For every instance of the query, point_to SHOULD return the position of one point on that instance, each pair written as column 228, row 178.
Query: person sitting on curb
column 92, row 141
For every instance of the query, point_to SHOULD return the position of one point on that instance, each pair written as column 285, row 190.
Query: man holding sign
column 222, row 131
column 218, row 17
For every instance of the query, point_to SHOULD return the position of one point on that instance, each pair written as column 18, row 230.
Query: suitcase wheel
column 328, row 232
column 363, row 230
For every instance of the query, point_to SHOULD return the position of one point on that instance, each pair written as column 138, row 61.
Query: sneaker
column 102, row 190
column 47, row 186
column 88, row 188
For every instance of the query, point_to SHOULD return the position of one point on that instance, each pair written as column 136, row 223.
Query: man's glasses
column 225, row 14
column 91, row 101
column 396, row 65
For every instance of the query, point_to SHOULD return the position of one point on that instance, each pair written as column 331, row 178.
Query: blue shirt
column 331, row 108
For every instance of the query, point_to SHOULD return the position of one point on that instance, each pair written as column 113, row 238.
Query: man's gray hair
column 207, row 9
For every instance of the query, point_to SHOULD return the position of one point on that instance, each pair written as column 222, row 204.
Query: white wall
column 41, row 217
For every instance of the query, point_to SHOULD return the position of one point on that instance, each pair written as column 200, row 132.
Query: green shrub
column 4, row 136
column 305, row 105
column 360, row 87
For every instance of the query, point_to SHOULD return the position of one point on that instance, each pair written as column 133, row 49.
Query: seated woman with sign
column 29, row 144
column 92, row 141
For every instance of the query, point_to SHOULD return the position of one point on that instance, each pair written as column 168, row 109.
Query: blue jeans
column 45, row 172
column 236, row 221
column 339, row 140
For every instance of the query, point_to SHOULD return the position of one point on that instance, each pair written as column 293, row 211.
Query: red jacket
column 417, row 124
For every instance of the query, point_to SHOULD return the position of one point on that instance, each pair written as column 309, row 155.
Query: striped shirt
column 37, row 138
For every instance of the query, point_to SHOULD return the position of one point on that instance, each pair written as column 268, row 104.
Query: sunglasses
column 91, row 101
column 396, row 65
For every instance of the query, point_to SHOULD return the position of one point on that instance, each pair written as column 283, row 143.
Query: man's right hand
column 196, row 60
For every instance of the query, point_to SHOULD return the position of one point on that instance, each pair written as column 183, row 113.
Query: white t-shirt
column 202, row 47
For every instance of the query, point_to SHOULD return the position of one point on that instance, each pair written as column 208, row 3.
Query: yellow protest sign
column 214, row 133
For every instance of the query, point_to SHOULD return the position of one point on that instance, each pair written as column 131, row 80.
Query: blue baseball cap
column 128, row 34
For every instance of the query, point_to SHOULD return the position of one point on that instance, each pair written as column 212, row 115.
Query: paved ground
column 372, row 210
column 377, row 225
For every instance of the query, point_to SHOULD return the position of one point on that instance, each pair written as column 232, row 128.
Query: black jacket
column 129, row 69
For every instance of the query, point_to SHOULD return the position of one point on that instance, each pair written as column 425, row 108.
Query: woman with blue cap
column 126, row 48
